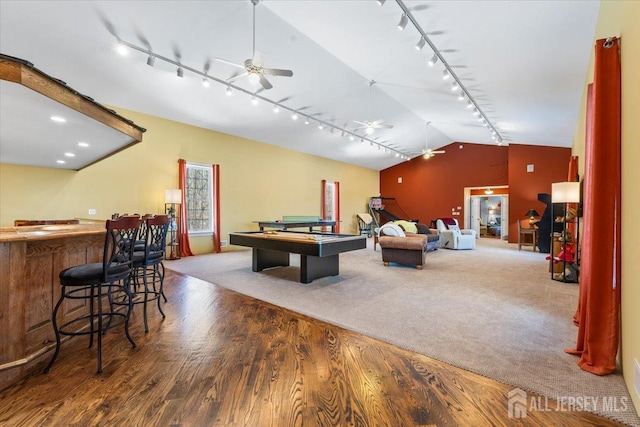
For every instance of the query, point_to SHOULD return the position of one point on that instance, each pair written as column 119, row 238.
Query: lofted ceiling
column 523, row 62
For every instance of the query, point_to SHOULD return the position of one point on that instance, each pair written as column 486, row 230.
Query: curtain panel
column 599, row 301
column 183, row 232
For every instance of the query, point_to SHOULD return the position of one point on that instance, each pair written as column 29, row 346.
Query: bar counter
column 31, row 257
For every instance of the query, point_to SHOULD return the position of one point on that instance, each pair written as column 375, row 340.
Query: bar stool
column 148, row 269
column 94, row 282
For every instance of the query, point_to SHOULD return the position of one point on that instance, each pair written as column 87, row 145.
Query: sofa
column 452, row 237
column 400, row 247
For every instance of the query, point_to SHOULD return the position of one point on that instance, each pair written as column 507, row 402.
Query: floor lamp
column 172, row 197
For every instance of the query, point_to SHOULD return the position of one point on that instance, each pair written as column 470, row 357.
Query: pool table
column 318, row 251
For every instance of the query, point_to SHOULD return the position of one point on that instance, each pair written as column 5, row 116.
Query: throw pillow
column 423, row 229
column 390, row 229
column 407, row 226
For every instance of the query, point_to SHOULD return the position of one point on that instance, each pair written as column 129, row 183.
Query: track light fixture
column 403, row 22
column 205, row 82
column 381, row 2
column 151, row 60
column 306, row 120
column 276, row 109
column 151, row 57
column 448, row 71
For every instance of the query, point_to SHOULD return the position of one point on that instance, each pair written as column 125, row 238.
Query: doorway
column 488, row 213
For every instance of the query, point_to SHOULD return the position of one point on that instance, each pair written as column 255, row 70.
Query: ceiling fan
column 427, row 152
column 369, row 125
column 253, row 67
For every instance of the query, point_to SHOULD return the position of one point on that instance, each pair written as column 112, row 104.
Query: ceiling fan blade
column 383, row 126
column 265, row 83
column 377, row 122
column 439, row 152
column 235, row 76
column 361, row 123
column 233, row 64
column 258, row 58
column 277, row 72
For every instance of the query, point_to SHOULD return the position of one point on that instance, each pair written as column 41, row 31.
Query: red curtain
column 599, row 305
column 216, row 207
column 336, row 205
column 573, row 177
column 183, row 232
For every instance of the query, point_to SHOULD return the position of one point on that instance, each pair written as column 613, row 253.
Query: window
column 199, row 195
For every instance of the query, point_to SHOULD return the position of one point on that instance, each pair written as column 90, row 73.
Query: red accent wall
column 551, row 164
column 433, row 188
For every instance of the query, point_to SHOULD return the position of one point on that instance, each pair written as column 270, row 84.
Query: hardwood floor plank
column 225, row 359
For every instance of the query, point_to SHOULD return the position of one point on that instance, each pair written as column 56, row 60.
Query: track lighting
column 306, row 120
column 403, row 22
column 445, row 74
column 469, row 104
column 461, row 96
column 420, row 43
column 454, row 86
column 381, row 2
column 433, row 60
column 123, row 47
column 476, row 112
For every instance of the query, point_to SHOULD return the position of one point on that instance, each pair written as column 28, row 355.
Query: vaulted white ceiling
column 524, row 63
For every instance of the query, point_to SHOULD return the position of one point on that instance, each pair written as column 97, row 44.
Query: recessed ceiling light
column 58, row 119
column 61, row 162
column 83, row 144
column 69, row 154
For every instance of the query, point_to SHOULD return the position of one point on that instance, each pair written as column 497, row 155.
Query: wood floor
column 224, row 359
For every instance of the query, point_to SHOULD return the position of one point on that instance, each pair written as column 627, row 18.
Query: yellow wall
column 621, row 18
column 257, row 181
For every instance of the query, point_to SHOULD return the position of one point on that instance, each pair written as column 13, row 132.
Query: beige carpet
column 493, row 311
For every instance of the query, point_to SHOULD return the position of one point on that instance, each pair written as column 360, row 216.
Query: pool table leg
column 263, row 258
column 313, row 267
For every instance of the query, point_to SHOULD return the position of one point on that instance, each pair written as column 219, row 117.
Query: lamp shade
column 565, row 192
column 531, row 213
column 173, row 196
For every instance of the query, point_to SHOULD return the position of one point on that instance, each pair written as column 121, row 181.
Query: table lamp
column 532, row 214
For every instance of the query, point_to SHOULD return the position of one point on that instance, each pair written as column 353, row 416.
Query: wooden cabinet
column 30, row 261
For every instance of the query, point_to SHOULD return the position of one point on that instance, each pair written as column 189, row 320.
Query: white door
column 504, row 203
column 475, row 214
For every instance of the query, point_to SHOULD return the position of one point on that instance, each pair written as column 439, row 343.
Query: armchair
column 452, row 237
